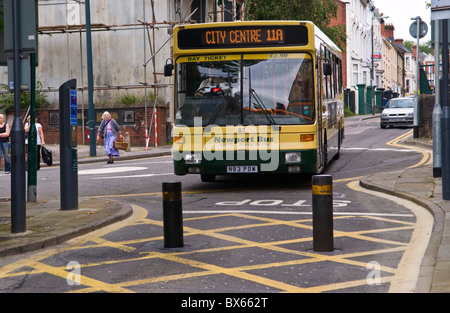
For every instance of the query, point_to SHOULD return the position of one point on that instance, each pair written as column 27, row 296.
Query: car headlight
column 193, row 158
column 384, row 115
column 292, row 157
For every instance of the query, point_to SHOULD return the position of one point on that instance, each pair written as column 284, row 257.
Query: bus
column 259, row 97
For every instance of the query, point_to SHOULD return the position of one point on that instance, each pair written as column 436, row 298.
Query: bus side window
column 327, row 68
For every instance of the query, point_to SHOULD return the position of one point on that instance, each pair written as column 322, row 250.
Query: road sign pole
column 445, row 121
column 416, row 95
column 18, row 186
column 437, row 110
column 32, row 137
column 90, row 76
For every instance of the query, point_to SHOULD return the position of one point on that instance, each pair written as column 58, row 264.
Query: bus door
column 320, row 127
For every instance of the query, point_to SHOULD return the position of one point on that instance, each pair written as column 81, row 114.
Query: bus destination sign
column 242, row 36
column 247, row 36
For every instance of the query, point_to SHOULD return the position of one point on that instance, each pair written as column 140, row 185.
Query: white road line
column 292, row 213
column 131, row 176
column 111, row 170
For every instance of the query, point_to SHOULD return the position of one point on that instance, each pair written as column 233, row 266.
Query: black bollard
column 322, row 191
column 172, row 215
column 68, row 170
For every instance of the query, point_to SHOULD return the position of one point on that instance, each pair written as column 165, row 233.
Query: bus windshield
column 249, row 89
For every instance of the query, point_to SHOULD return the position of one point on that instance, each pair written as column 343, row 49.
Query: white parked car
column 398, row 112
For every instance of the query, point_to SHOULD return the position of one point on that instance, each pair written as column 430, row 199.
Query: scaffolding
column 149, row 29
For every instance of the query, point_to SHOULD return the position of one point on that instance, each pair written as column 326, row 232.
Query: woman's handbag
column 47, row 156
column 120, row 145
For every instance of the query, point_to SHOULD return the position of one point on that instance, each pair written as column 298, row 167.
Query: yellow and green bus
column 256, row 98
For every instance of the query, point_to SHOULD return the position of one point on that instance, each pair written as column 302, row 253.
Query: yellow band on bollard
column 171, row 195
column 324, row 190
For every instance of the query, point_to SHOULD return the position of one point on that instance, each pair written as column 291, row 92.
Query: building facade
column 372, row 57
column 131, row 43
column 364, row 44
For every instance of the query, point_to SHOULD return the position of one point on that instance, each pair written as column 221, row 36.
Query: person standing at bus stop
column 5, row 131
column 108, row 130
column 40, row 141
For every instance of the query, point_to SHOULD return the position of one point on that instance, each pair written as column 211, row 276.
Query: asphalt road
column 242, row 234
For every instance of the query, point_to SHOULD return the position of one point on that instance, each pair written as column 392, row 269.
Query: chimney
column 398, row 41
column 388, row 31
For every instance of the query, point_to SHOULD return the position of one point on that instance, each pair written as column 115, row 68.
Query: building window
column 408, row 63
column 200, row 14
column 355, row 74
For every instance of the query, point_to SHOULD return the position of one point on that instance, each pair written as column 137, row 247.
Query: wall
column 131, row 120
column 426, row 107
column 134, row 125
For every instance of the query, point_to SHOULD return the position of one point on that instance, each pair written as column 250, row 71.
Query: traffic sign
column 423, row 30
column 28, row 26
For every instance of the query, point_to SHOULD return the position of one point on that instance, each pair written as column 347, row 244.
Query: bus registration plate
column 242, row 169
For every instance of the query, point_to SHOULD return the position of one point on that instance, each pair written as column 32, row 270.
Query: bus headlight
column 293, row 157
column 193, row 158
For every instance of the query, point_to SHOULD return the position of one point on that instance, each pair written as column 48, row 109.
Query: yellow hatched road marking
column 93, row 283
column 139, row 217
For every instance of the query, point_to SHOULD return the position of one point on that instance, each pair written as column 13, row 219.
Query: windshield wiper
column 260, row 103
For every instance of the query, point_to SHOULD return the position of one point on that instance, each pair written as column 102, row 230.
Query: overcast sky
column 400, row 13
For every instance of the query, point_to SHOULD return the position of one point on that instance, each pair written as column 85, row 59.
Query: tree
column 320, row 12
column 424, row 47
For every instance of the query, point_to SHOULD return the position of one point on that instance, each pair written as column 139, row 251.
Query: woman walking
column 109, row 129
column 4, row 143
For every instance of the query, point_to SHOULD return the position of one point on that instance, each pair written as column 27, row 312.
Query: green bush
column 7, row 99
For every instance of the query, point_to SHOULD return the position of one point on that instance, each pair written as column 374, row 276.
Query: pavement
column 48, row 225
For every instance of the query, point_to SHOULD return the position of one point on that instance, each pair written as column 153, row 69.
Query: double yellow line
column 426, row 154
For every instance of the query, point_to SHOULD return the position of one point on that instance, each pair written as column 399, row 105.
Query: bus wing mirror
column 327, row 69
column 168, row 68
